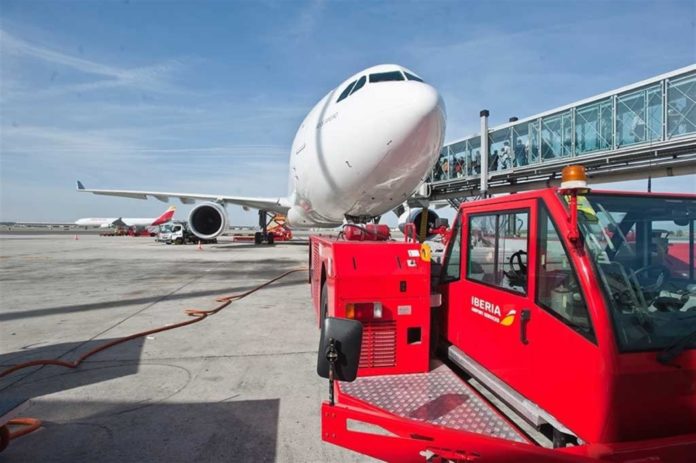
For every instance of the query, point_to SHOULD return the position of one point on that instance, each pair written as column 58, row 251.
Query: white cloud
column 153, row 78
column 182, row 142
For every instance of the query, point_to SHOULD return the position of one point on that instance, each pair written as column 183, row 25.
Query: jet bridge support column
column 484, row 152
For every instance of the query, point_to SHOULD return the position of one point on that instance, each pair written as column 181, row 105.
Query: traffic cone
column 200, row 247
column 76, row 237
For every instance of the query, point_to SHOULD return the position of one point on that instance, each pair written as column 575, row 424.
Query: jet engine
column 414, row 216
column 208, row 220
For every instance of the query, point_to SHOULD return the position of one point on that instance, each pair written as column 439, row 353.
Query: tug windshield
column 642, row 247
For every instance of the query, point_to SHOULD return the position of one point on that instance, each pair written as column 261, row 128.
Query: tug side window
column 498, row 246
column 454, row 252
column 558, row 291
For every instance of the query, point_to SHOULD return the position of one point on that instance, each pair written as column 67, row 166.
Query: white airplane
column 126, row 221
column 359, row 153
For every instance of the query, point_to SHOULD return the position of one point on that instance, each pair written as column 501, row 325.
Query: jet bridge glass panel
column 474, row 148
column 442, row 167
column 520, row 144
column 500, row 154
column 681, row 106
column 593, row 127
column 639, row 116
column 459, row 155
column 534, row 142
column 556, row 136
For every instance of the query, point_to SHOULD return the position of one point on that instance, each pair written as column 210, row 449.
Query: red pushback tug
column 573, row 314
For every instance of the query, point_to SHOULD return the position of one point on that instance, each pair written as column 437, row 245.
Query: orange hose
column 28, row 425
column 197, row 314
column 32, row 424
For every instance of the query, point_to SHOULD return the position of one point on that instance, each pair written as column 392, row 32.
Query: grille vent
column 378, row 345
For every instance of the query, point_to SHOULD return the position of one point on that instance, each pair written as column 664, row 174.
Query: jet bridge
column 647, row 129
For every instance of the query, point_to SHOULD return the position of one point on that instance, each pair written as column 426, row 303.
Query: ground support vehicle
column 115, row 232
column 179, row 233
column 565, row 324
column 142, row 232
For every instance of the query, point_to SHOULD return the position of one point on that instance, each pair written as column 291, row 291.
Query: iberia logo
column 509, row 318
column 492, row 312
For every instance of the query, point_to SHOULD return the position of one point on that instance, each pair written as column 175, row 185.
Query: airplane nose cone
column 412, row 129
column 422, row 100
column 421, row 115
column 418, row 111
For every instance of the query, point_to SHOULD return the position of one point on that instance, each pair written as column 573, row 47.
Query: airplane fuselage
column 361, row 156
column 105, row 222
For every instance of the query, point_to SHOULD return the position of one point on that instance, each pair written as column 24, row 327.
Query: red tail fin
column 166, row 217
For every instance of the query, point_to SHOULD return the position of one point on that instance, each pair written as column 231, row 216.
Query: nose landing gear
column 273, row 229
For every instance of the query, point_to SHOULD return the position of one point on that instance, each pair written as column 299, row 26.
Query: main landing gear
column 264, row 236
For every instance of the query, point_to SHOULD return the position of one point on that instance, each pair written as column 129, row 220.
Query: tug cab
column 577, row 335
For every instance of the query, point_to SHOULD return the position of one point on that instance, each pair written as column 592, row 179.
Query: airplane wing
column 279, row 205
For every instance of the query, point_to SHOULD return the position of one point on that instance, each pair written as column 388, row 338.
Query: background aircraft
column 126, row 222
column 359, row 153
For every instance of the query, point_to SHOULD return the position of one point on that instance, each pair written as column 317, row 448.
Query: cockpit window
column 346, row 92
column 412, row 77
column 359, row 85
column 386, row 76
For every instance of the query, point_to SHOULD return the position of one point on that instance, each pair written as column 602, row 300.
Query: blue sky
column 206, row 96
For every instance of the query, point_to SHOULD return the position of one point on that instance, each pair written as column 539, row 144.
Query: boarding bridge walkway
column 643, row 130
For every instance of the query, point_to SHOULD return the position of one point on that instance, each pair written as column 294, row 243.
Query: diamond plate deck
column 438, row 397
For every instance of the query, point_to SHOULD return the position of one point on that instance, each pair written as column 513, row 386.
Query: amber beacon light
column 573, row 183
column 574, row 178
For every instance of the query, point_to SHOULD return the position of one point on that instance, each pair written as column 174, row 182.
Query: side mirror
column 339, row 349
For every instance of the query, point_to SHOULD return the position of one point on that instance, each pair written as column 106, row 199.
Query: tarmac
column 238, row 386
